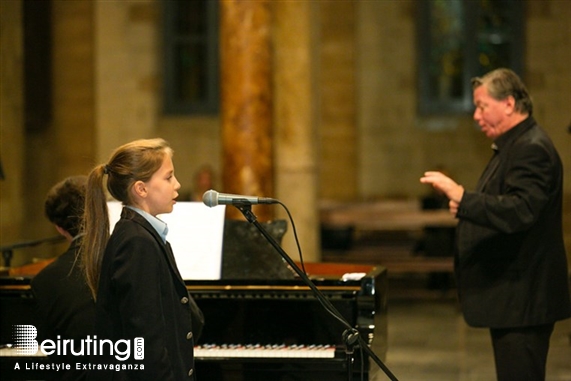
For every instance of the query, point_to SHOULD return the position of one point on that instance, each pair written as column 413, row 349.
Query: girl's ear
column 139, row 189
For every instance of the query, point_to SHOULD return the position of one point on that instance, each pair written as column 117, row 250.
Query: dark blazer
column 511, row 265
column 64, row 307
column 141, row 294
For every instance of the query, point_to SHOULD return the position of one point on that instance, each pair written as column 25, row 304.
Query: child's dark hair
column 64, row 204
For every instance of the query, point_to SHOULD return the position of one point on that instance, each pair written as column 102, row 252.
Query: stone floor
column 429, row 341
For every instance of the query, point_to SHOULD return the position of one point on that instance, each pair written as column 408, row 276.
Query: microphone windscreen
column 210, row 198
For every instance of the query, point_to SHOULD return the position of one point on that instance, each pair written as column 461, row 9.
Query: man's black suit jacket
column 511, row 266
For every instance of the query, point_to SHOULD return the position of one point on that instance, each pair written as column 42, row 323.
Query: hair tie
column 106, row 169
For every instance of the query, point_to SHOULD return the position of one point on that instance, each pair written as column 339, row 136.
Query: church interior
column 335, row 108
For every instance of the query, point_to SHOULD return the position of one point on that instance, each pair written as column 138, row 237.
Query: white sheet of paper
column 195, row 234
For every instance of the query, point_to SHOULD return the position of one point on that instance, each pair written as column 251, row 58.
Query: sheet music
column 195, row 234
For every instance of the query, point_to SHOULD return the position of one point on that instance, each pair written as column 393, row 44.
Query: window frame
column 428, row 105
column 211, row 103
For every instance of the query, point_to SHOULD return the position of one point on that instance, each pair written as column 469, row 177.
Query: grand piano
column 261, row 323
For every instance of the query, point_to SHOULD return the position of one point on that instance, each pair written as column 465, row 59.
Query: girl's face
column 161, row 189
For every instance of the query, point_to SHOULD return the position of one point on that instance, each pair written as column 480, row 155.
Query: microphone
column 212, row 198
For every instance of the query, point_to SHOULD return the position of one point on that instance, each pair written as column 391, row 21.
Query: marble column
column 246, row 102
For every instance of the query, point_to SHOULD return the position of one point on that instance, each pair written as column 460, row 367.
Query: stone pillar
column 73, row 92
column 246, row 102
column 294, row 27
column 338, row 150
column 64, row 146
column 126, row 66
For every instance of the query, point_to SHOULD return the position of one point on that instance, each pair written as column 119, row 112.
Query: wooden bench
column 385, row 233
column 419, row 265
column 395, row 263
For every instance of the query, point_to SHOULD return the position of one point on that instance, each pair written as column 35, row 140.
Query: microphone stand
column 350, row 336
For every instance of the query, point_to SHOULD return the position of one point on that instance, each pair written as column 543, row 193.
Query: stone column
column 295, row 26
column 73, row 75
column 338, row 150
column 246, row 102
column 66, row 146
column 126, row 68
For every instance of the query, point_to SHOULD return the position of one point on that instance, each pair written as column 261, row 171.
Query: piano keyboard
column 264, row 351
column 236, row 351
column 7, row 350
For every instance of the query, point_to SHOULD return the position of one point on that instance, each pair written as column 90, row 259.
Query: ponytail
column 129, row 163
column 95, row 228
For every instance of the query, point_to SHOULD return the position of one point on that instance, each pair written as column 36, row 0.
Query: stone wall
column 369, row 141
column 11, row 123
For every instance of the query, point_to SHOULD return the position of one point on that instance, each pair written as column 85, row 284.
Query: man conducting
column 510, row 262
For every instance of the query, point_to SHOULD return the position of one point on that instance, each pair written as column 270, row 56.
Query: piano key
column 264, row 351
column 7, row 350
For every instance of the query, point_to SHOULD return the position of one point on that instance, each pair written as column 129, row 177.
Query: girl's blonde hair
column 131, row 162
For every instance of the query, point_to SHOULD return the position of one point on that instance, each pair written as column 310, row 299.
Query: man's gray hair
column 502, row 83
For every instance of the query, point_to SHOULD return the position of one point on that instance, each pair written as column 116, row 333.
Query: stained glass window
column 460, row 39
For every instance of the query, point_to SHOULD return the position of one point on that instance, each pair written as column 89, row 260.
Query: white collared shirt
column 159, row 225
